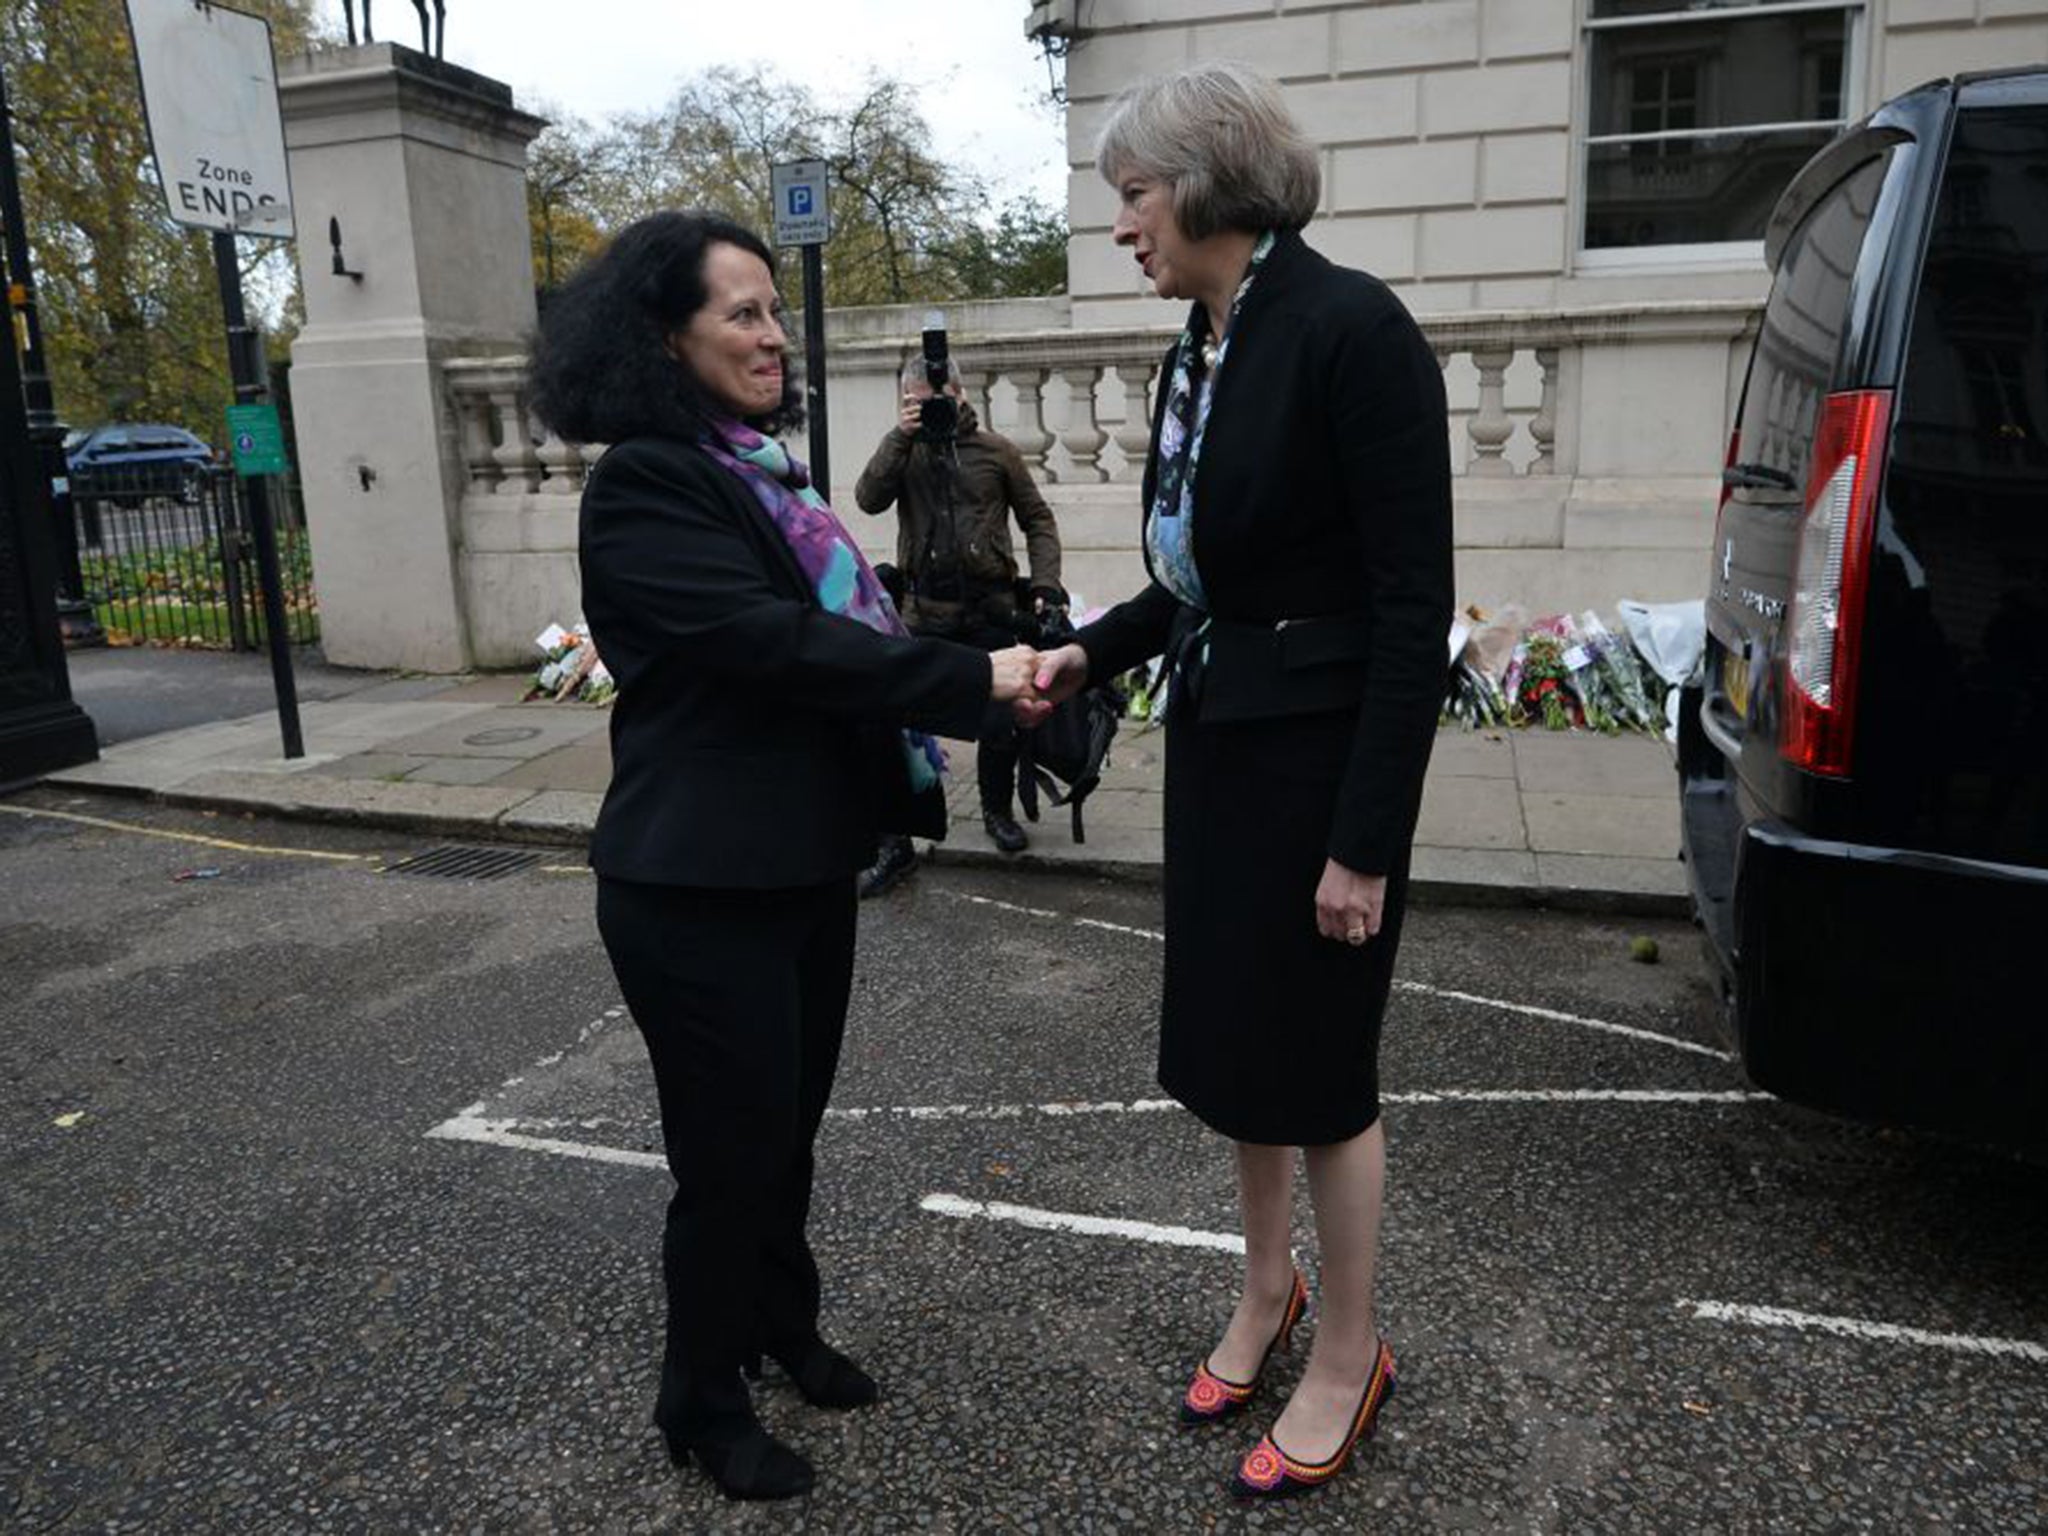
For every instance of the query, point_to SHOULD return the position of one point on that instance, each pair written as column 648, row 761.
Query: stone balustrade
column 1078, row 403
column 1564, row 498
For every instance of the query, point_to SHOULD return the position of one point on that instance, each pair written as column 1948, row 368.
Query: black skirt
column 1269, row 1032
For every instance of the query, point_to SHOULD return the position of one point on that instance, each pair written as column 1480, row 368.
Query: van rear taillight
column 1825, row 618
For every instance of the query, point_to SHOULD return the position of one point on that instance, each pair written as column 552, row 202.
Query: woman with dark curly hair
column 771, row 716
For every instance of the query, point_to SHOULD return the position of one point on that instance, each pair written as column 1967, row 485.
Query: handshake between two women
column 1032, row 682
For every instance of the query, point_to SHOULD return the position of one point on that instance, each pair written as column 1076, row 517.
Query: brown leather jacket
column 961, row 570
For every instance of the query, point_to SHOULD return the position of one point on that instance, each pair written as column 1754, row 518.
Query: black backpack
column 1071, row 744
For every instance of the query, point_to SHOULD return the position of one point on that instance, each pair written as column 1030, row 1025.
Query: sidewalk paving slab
column 1623, row 826
column 1471, row 813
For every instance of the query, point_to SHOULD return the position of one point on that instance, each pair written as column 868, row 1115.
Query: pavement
column 1569, row 819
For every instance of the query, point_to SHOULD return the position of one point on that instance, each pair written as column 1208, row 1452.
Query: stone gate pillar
column 424, row 166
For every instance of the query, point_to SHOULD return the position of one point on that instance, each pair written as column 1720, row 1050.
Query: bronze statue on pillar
column 440, row 24
column 433, row 35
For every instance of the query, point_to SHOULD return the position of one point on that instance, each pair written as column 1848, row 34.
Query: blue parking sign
column 802, row 203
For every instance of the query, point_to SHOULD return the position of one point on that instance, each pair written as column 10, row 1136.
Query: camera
column 938, row 419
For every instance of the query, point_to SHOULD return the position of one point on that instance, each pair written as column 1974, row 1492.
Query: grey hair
column 1222, row 139
column 913, row 371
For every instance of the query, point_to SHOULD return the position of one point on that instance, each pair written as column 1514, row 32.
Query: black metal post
column 247, row 371
column 75, row 619
column 814, row 368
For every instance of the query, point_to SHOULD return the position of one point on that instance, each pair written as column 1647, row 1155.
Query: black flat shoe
column 826, row 1378
column 1004, row 832
column 756, row 1465
column 897, row 859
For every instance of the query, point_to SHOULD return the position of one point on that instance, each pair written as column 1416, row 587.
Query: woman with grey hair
column 1297, row 503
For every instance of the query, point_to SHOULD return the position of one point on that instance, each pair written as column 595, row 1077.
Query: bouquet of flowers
column 1567, row 672
column 1480, row 650
column 570, row 668
column 1544, row 681
column 1144, row 691
column 1620, row 677
column 1592, row 706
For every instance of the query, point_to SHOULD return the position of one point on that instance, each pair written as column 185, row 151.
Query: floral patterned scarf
column 1169, row 535
column 838, row 573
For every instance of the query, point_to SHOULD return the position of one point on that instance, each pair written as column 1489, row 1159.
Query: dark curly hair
column 602, row 368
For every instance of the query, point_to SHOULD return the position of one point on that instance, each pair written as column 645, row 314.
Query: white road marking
column 1578, row 1096
column 1082, row 1226
column 472, row 1124
column 1000, row 1111
column 1529, row 1010
column 1862, row 1328
column 1417, row 1097
column 468, row 1126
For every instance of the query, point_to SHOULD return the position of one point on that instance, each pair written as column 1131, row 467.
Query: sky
column 982, row 84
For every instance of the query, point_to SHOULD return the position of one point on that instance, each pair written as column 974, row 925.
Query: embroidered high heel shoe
column 1267, row 1472
column 1210, row 1399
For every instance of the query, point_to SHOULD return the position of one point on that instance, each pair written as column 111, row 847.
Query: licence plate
column 1735, row 683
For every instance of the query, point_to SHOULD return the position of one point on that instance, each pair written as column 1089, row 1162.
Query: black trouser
column 741, row 997
column 996, row 748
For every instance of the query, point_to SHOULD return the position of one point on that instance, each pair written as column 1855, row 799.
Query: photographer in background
column 955, row 485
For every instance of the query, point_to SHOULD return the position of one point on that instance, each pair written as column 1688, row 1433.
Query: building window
column 1663, row 101
column 1700, row 113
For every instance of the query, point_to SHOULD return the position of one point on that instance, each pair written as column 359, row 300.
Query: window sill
column 1666, row 260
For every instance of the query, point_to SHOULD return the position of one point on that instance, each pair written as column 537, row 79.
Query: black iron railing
column 171, row 559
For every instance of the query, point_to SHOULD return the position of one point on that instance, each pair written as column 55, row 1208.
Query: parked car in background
column 1865, row 768
column 135, row 461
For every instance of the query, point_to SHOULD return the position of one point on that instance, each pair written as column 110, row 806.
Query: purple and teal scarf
column 838, row 573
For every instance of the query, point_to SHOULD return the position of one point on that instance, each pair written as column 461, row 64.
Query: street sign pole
column 801, row 192
column 246, row 369
column 814, row 368
column 209, row 92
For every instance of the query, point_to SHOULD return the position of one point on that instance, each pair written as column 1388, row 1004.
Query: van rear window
column 1974, row 399
column 1801, row 339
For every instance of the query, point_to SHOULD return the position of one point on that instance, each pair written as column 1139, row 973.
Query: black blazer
column 1324, row 489
column 747, row 732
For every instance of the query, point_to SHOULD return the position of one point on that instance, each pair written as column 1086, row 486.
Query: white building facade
column 1570, row 194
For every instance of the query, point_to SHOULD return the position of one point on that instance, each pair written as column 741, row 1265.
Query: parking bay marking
column 473, row 1125
column 1862, row 1328
column 1529, row 1010
column 469, row 1127
column 958, row 1206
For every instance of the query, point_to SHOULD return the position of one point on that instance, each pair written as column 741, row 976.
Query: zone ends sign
column 209, row 89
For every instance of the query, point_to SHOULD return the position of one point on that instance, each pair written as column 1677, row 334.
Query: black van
column 1865, row 768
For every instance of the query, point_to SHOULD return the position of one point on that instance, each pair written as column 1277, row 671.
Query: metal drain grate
column 458, row 863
